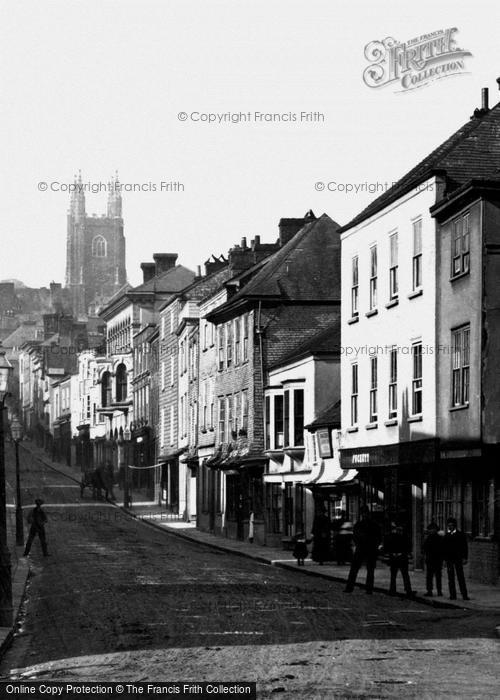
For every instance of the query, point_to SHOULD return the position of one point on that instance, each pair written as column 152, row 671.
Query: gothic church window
column 99, row 247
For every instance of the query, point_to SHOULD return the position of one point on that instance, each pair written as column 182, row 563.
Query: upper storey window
column 99, row 248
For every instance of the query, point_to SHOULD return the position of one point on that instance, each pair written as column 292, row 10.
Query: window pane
column 278, row 422
column 417, row 237
column 394, row 249
column 286, row 426
column 355, row 270
column 298, row 417
column 373, row 261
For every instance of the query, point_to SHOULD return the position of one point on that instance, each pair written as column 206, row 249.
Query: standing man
column 455, row 555
column 366, row 537
column 397, row 547
column 37, row 520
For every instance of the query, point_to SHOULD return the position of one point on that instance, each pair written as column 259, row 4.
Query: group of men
column 452, row 549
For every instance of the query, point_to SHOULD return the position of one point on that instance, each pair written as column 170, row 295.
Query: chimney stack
column 198, row 271
column 484, row 99
column 244, row 242
column 148, row 271
column 164, row 262
column 289, row 227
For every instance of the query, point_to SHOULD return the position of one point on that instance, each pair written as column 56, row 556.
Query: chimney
column 214, row 264
column 148, row 271
column 56, row 296
column 484, row 99
column 289, row 227
column 244, row 242
column 198, row 271
column 256, row 242
column 164, row 262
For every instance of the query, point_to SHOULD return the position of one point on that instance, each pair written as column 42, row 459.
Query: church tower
column 95, row 251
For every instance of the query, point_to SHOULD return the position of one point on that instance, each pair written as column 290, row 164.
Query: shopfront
column 393, row 484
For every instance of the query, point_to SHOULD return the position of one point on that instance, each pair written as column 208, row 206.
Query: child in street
column 300, row 551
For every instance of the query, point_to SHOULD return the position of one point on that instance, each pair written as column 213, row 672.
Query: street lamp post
column 5, row 568
column 126, row 485
column 16, row 430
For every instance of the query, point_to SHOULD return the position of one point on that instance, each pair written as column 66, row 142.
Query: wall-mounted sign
column 324, row 443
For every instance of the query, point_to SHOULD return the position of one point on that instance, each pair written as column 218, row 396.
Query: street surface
column 120, row 600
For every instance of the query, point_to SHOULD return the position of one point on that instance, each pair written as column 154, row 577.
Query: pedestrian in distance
column 367, row 538
column 433, row 553
column 397, row 548
column 455, row 554
column 321, row 536
column 300, row 551
column 37, row 520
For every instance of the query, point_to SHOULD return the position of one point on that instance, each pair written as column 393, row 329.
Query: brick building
column 271, row 310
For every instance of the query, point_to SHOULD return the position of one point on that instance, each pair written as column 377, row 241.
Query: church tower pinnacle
column 114, row 198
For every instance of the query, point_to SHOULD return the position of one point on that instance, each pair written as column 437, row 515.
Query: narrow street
column 118, row 599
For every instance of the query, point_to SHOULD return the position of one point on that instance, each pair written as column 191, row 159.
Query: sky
column 100, row 86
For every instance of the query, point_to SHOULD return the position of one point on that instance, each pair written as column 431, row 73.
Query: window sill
column 373, row 312
column 353, row 319
column 391, row 303
column 391, row 421
column 416, row 293
column 371, row 426
column 460, row 276
column 354, row 429
column 415, row 419
column 459, row 408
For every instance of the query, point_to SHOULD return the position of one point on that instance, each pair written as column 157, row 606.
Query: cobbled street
column 120, row 600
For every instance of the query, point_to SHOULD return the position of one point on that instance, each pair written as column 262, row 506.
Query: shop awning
column 328, row 473
column 169, row 455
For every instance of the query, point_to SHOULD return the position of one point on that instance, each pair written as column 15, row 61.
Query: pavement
column 482, row 597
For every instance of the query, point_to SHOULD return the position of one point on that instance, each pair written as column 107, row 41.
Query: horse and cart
column 99, row 480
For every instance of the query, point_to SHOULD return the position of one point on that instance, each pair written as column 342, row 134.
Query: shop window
column 483, row 505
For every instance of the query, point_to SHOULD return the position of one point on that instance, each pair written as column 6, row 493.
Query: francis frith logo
column 414, row 63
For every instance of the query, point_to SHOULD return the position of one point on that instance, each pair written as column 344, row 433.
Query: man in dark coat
column 433, row 551
column 397, row 548
column 37, row 520
column 366, row 537
column 455, row 554
column 321, row 536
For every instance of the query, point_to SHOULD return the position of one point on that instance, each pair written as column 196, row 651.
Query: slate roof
column 22, row 334
column 300, row 271
column 330, row 416
column 471, row 152
column 326, row 342
column 172, row 280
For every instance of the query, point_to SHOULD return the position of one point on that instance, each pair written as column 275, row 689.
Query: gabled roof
column 471, row 152
column 326, row 342
column 300, row 271
column 22, row 334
